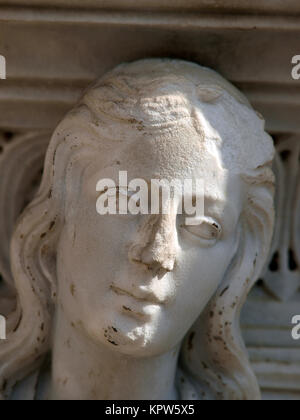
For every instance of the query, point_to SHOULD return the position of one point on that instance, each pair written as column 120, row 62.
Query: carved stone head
column 143, row 285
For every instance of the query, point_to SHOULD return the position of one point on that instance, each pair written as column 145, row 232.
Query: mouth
column 144, row 295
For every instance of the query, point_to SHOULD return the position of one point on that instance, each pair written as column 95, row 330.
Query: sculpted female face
column 137, row 283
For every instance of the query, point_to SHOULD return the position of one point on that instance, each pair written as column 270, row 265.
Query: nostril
column 160, row 266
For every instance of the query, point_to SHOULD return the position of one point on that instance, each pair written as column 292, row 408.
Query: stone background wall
column 55, row 48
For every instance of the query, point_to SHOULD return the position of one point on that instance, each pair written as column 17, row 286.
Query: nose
column 155, row 245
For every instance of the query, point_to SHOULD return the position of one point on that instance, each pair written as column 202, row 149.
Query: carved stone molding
column 267, row 315
column 42, row 86
column 282, row 277
column 216, row 6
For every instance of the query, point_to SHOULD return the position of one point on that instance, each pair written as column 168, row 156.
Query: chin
column 135, row 339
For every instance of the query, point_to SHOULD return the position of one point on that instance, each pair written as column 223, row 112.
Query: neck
column 83, row 370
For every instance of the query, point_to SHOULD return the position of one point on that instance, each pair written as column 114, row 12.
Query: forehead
column 176, row 153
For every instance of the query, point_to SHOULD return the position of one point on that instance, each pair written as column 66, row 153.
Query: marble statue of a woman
column 142, row 306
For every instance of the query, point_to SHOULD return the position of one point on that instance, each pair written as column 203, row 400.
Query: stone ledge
column 220, row 6
column 161, row 19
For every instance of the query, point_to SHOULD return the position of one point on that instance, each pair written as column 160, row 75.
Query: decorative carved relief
column 282, row 277
column 268, row 313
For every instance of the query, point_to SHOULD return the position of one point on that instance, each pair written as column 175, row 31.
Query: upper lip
column 143, row 295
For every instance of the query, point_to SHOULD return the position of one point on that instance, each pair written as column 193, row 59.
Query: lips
column 142, row 294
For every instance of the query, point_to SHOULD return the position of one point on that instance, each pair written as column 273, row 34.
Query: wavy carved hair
column 213, row 355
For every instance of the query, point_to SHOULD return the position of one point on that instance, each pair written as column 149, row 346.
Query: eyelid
column 207, row 219
column 202, row 221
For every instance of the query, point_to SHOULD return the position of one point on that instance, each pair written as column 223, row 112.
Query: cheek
column 199, row 273
column 83, row 288
column 89, row 256
column 78, row 269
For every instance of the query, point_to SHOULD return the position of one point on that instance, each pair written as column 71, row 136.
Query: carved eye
column 205, row 228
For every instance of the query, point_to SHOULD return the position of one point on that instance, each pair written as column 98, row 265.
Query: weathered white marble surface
column 145, row 297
